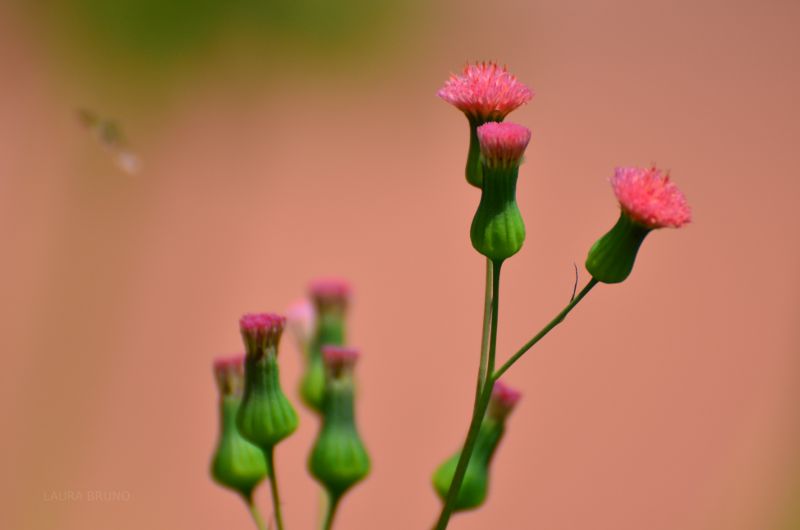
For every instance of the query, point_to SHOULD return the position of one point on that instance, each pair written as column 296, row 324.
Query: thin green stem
column 545, row 330
column 323, row 508
column 257, row 518
column 487, row 321
column 478, row 412
column 333, row 504
column 273, row 486
column 495, row 312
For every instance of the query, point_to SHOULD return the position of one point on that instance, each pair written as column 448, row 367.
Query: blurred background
column 231, row 151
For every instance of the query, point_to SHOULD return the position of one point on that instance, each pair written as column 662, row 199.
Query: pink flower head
column 229, row 373
column 503, row 144
column 327, row 292
column 301, row 319
column 650, row 198
column 503, row 400
column 485, row 92
column 261, row 331
column 339, row 359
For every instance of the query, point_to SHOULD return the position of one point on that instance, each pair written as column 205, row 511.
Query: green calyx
column 611, row 258
column 265, row 416
column 312, row 383
column 237, row 464
column 330, row 330
column 474, row 169
column 498, row 231
column 475, row 486
column 339, row 459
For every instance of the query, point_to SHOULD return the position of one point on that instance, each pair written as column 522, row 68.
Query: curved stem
column 545, row 330
column 333, row 504
column 273, row 486
column 480, row 409
column 257, row 518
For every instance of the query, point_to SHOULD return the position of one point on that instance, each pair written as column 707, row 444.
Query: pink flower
column 261, row 331
column 229, row 373
column 330, row 291
column 650, row 198
column 504, row 399
column 485, row 92
column 301, row 319
column 503, row 144
column 339, row 358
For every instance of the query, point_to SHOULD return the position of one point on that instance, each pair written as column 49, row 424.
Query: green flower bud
column 611, row 258
column 475, row 484
column 236, row 464
column 265, row 416
column 498, row 231
column 330, row 297
column 648, row 200
column 339, row 459
column 476, row 480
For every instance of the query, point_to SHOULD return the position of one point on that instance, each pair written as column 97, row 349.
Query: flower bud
column 236, row 464
column 475, row 485
column 484, row 92
column 339, row 459
column 265, row 416
column 648, row 200
column 300, row 319
column 498, row 231
column 330, row 297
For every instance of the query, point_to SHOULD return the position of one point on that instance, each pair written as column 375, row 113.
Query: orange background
column 665, row 403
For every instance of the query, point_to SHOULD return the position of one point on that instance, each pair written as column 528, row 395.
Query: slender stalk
column 273, row 486
column 257, row 518
column 323, row 508
column 478, row 412
column 333, row 504
column 545, row 330
column 487, row 320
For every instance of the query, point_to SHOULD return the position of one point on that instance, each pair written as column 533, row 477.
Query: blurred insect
column 109, row 134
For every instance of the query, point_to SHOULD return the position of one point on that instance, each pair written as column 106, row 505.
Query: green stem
column 487, row 320
column 545, row 330
column 333, row 504
column 478, row 412
column 259, row 520
column 273, row 486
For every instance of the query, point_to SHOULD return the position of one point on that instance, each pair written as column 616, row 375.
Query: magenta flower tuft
column 229, row 373
column 503, row 400
column 650, row 198
column 485, row 92
column 503, row 144
column 261, row 331
column 327, row 292
column 339, row 359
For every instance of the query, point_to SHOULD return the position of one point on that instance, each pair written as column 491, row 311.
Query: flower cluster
column 255, row 413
